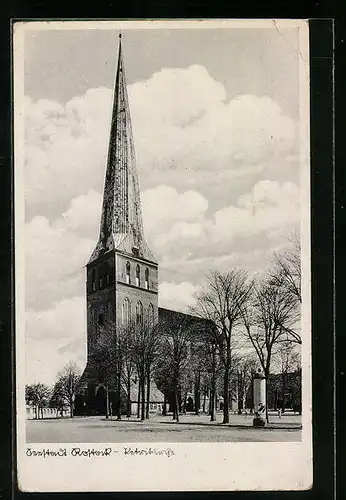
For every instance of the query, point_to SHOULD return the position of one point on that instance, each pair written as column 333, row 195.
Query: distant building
column 284, row 391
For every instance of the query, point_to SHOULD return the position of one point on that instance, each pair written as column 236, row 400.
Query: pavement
column 191, row 428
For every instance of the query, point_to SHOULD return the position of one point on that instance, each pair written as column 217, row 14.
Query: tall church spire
column 121, row 225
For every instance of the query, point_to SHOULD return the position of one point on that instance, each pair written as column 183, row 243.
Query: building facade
column 122, row 272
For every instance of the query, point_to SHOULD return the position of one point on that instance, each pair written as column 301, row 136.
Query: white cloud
column 54, row 337
column 270, row 210
column 177, row 225
column 185, row 133
column 163, row 205
column 83, row 215
column 177, row 296
column 55, row 257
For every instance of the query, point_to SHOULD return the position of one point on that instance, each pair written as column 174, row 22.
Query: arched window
column 101, row 319
column 151, row 315
column 128, row 269
column 126, row 312
column 93, row 280
column 139, row 313
column 138, row 276
column 110, row 312
column 146, row 282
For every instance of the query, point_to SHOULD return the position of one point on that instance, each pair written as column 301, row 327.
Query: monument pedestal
column 259, row 422
column 259, row 399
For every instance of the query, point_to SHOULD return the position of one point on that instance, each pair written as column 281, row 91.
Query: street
column 191, row 428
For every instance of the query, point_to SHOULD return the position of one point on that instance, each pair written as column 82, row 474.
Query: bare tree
column 175, row 349
column 268, row 319
column 103, row 359
column 144, row 352
column 67, row 383
column 197, row 363
column 245, row 365
column 289, row 357
column 286, row 271
column 128, row 364
column 37, row 395
column 222, row 303
column 56, row 400
column 163, row 377
column 152, row 351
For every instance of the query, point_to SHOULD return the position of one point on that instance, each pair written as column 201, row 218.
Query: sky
column 215, row 115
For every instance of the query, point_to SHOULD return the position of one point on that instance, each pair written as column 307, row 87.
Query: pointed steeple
column 121, row 220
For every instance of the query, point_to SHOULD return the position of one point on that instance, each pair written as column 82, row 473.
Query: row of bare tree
column 60, row 396
column 237, row 323
column 262, row 312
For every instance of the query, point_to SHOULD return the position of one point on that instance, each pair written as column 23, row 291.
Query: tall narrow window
column 101, row 319
column 151, row 315
column 126, row 312
column 93, row 280
column 138, row 276
column 110, row 312
column 146, row 282
column 128, row 270
column 139, row 313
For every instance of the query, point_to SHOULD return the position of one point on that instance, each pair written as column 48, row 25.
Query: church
column 122, row 272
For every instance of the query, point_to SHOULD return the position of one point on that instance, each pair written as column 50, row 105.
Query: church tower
column 122, row 272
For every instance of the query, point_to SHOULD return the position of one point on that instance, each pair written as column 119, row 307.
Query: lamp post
column 259, row 398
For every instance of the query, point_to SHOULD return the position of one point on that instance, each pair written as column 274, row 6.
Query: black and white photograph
column 163, row 257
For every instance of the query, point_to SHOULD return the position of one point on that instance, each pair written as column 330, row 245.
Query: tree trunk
column 184, row 403
column 119, row 395
column 283, row 392
column 204, row 399
column 212, row 405
column 197, row 393
column 176, row 404
column 213, row 393
column 139, row 398
column 143, row 396
column 147, row 410
column 107, row 401
column 266, row 373
column 128, row 389
column 241, row 390
column 226, row 395
column 164, row 409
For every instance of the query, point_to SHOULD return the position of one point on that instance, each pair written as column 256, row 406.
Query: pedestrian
column 279, row 413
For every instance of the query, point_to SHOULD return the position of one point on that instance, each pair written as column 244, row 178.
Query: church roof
column 195, row 323
column 121, row 220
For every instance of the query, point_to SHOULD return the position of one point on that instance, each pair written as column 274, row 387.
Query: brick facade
column 122, row 272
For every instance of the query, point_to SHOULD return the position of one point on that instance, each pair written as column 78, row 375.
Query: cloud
column 83, row 215
column 177, row 296
column 54, row 337
column 271, row 208
column 186, row 133
column 55, row 257
column 181, row 229
column 270, row 211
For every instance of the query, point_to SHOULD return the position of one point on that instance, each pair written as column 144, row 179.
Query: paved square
column 191, row 428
